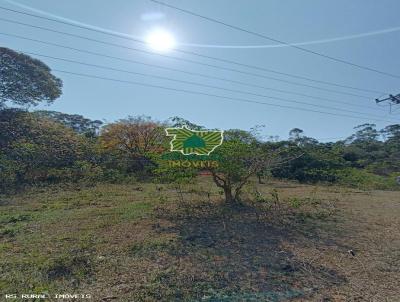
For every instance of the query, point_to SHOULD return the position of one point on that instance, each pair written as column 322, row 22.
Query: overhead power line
column 276, row 40
column 199, row 84
column 326, row 40
column 195, row 54
column 394, row 100
column 183, row 59
column 183, row 71
column 225, row 98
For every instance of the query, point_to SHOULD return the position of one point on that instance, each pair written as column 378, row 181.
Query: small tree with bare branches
column 239, row 161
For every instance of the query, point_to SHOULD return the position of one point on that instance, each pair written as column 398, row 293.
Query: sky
column 290, row 20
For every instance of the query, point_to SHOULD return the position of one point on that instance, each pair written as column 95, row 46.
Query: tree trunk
column 228, row 195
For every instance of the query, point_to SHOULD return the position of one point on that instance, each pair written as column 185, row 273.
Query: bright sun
column 160, row 40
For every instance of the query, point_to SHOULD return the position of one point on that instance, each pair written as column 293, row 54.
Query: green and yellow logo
column 189, row 141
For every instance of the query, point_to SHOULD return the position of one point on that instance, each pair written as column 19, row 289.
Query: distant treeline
column 47, row 147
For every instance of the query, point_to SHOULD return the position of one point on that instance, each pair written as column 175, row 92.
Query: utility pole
column 392, row 99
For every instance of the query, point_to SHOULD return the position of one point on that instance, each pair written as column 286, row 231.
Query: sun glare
column 160, row 40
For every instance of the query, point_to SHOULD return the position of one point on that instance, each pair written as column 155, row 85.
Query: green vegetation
column 38, row 149
column 147, row 242
column 48, row 147
column 59, row 244
column 26, row 81
column 41, row 256
column 92, row 208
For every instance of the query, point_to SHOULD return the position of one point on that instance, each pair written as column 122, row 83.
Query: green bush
column 365, row 180
column 8, row 173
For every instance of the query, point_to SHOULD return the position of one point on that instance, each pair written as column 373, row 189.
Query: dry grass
column 147, row 242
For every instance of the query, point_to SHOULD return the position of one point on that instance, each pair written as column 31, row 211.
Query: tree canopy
column 26, row 81
column 76, row 122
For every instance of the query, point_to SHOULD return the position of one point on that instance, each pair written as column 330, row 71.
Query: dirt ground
column 362, row 245
column 286, row 242
column 352, row 254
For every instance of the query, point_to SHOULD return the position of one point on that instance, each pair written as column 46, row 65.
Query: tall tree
column 365, row 133
column 76, row 122
column 295, row 134
column 179, row 122
column 135, row 140
column 135, row 136
column 35, row 149
column 26, row 81
column 391, row 132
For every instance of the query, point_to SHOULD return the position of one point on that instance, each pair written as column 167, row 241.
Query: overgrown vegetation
column 92, row 208
column 38, row 149
column 47, row 147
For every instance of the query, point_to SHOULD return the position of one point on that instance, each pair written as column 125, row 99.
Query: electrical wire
column 181, row 71
column 182, row 59
column 198, row 84
column 276, row 40
column 192, row 53
column 225, row 98
column 161, row 15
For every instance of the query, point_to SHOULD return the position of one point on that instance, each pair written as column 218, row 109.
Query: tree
column 391, row 132
column 295, row 134
column 243, row 136
column 364, row 146
column 366, row 133
column 136, row 139
column 238, row 162
column 136, row 136
column 25, row 80
column 14, row 124
column 34, row 149
column 283, row 149
column 179, row 122
column 391, row 161
column 235, row 168
column 76, row 122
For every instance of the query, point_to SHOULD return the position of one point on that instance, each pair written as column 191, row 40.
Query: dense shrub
column 364, row 180
column 36, row 150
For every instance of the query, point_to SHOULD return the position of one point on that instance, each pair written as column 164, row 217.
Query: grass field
column 152, row 242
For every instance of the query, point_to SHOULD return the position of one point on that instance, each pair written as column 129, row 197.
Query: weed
column 295, row 202
column 16, row 218
column 151, row 248
column 9, row 232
